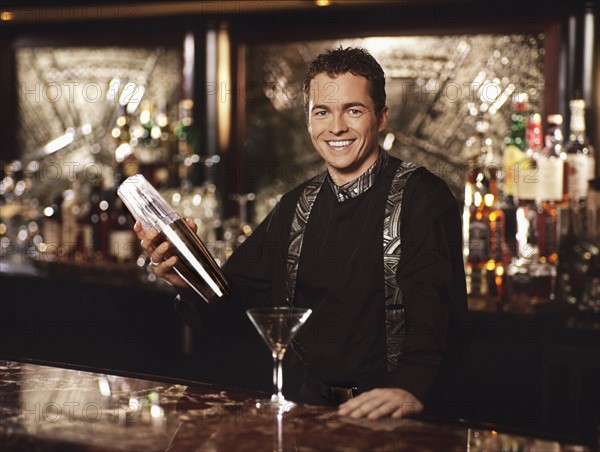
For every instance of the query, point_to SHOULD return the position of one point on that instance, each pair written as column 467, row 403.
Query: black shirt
column 340, row 277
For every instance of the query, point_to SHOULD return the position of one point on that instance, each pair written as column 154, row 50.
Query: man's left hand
column 380, row 402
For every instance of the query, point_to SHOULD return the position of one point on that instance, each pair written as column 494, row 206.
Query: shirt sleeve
column 432, row 280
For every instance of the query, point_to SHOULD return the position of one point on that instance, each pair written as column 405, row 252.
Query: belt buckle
column 341, row 394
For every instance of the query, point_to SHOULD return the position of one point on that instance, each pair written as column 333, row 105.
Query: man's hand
column 161, row 260
column 380, row 402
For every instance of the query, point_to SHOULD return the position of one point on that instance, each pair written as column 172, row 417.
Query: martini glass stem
column 277, row 376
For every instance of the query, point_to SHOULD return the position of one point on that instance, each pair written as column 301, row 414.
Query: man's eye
column 320, row 113
column 354, row 111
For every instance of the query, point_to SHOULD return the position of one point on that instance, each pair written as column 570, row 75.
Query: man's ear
column 383, row 119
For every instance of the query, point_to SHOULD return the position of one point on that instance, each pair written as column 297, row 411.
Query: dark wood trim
column 8, row 101
column 123, row 37
column 552, row 38
column 403, row 19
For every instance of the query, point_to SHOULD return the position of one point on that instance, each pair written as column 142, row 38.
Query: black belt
column 317, row 392
column 340, row 394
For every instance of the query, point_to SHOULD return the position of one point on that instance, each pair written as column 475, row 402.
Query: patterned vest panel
column 394, row 307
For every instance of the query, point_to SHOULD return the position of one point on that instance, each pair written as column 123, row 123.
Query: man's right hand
column 160, row 262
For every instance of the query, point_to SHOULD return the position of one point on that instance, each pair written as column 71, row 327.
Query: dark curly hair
column 355, row 60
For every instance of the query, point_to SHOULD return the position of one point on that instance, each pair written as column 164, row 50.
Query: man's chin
column 343, row 172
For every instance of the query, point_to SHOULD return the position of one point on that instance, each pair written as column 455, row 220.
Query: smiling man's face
column 343, row 124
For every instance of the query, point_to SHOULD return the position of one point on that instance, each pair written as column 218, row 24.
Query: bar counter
column 57, row 408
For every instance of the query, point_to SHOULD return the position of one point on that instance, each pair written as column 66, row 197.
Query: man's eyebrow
column 353, row 104
column 344, row 106
column 320, row 107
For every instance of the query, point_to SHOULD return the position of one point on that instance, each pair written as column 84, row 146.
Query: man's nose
column 338, row 124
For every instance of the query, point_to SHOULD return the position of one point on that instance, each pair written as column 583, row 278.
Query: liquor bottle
column 99, row 220
column 166, row 175
column 591, row 293
column 550, row 164
column 70, row 223
column 514, row 151
column 478, row 148
column 486, row 248
column 579, row 153
column 52, row 227
column 512, row 156
column 185, row 128
column 187, row 139
column 121, row 239
column 526, row 183
column 593, row 210
column 148, row 135
column 122, row 243
column 576, row 255
column 85, row 239
column 531, row 276
column 526, row 171
column 530, row 279
column 126, row 163
column 152, row 146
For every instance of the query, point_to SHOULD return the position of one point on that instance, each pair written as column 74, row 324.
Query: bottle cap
column 555, row 119
column 578, row 104
column 535, row 118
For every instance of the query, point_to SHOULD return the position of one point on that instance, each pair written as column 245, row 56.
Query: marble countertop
column 54, row 408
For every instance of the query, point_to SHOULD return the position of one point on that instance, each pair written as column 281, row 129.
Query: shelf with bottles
column 20, row 229
column 540, row 247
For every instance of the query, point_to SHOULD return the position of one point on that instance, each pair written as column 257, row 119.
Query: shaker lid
column 145, row 203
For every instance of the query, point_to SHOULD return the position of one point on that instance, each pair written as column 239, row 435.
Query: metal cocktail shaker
column 195, row 264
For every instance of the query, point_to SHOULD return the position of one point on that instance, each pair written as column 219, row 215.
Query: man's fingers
column 163, row 269
column 146, row 240
column 383, row 410
column 139, row 230
column 362, row 405
column 381, row 402
column 158, row 255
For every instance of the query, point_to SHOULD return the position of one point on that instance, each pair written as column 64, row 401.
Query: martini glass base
column 275, row 403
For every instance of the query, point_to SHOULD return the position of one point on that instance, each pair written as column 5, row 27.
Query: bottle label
column 496, row 238
column 512, row 155
column 122, row 246
column 591, row 168
column 479, row 239
column 581, row 169
column 550, row 185
column 547, row 233
column 526, row 176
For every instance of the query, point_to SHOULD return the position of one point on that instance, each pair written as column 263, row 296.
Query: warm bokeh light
column 224, row 104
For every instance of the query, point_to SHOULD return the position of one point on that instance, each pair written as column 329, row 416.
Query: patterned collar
column 365, row 181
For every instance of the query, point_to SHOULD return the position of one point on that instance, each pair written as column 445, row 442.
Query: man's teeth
column 340, row 143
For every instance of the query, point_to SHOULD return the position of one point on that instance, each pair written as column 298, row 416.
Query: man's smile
column 339, row 144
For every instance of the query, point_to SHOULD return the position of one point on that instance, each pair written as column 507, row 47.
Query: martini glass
column 278, row 326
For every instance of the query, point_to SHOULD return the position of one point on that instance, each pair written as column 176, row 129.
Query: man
column 372, row 246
